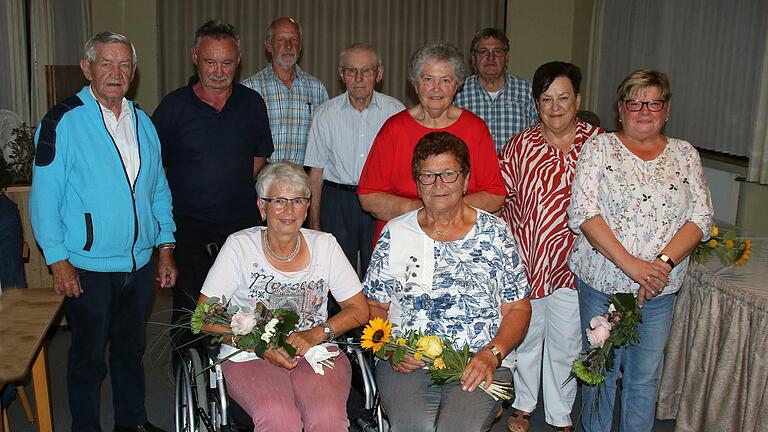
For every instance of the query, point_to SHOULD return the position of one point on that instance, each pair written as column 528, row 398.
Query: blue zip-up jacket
column 82, row 205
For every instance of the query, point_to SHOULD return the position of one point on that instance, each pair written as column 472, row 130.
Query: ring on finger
column 648, row 278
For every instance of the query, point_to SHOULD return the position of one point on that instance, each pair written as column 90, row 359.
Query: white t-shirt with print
column 243, row 275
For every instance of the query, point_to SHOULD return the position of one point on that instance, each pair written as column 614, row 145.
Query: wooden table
column 26, row 316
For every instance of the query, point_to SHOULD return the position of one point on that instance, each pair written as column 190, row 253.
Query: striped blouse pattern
column 538, row 179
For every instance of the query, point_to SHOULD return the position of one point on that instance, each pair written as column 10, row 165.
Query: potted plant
column 20, row 153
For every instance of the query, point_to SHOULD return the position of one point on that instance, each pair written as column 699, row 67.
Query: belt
column 348, row 188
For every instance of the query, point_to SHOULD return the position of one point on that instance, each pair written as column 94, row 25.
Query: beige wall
column 540, row 31
column 136, row 19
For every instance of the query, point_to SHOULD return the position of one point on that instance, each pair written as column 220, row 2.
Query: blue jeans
column 11, row 267
column 640, row 366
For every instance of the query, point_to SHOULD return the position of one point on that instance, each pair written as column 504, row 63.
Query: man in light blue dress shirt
column 341, row 135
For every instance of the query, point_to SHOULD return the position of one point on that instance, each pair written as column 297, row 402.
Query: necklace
column 271, row 252
column 441, row 233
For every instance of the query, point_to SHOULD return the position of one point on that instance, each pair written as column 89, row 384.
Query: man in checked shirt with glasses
column 292, row 95
column 503, row 100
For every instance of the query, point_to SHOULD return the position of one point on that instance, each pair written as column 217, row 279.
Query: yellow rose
column 712, row 243
column 439, row 363
column 714, row 231
column 729, row 244
column 431, row 346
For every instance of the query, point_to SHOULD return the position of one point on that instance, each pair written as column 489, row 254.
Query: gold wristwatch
column 495, row 351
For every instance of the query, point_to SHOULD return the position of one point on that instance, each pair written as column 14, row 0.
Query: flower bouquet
column 729, row 248
column 445, row 363
column 615, row 328
column 254, row 330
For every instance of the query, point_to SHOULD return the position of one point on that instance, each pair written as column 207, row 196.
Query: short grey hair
column 359, row 46
column 274, row 21
column 105, row 38
column 282, row 172
column 440, row 51
column 215, row 29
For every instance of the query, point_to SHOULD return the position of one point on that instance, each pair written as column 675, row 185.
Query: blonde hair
column 642, row 79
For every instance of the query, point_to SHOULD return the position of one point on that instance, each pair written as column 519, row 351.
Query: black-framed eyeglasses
column 280, row 202
column 485, row 52
column 366, row 71
column 447, row 176
column 654, row 105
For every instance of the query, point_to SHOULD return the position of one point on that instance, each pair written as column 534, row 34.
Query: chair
column 202, row 403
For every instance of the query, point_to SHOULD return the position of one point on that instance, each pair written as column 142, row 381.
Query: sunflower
column 376, row 334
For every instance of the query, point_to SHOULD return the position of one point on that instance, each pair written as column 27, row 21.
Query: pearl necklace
column 271, row 252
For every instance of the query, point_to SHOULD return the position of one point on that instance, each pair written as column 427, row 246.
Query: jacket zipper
column 132, row 187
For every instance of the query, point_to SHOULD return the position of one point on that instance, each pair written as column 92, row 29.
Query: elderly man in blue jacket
column 99, row 205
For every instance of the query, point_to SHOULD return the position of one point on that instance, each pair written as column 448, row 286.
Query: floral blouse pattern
column 644, row 203
column 449, row 289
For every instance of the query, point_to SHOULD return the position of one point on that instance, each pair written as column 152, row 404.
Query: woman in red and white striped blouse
column 538, row 165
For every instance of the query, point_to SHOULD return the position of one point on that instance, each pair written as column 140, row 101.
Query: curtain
column 396, row 28
column 14, row 62
column 42, row 53
column 758, row 159
column 712, row 52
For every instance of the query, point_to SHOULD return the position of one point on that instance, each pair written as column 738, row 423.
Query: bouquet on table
column 255, row 330
column 729, row 248
column 444, row 362
column 615, row 328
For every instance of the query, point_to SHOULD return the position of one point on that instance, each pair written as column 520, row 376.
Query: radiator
column 725, row 193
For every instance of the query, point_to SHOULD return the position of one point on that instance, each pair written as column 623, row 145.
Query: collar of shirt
column 348, row 105
column 125, row 109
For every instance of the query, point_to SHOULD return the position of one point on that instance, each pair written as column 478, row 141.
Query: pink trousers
column 285, row 400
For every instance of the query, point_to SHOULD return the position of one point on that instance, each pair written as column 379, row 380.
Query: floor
column 159, row 382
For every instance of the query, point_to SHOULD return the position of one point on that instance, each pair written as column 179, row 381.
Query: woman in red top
column 538, row 166
column 386, row 188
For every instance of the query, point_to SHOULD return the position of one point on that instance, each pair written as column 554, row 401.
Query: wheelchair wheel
column 191, row 396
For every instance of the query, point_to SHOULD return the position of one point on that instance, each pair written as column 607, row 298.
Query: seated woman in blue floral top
column 452, row 271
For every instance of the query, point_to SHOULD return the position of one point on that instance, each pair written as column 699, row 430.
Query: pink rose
column 597, row 336
column 600, row 321
column 243, row 322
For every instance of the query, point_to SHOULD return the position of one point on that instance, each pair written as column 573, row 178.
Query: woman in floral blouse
column 640, row 206
column 538, row 166
column 452, row 271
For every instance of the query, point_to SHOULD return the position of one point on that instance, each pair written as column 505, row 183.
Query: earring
column 666, row 119
column 619, row 120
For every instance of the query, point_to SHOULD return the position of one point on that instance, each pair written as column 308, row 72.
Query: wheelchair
column 202, row 404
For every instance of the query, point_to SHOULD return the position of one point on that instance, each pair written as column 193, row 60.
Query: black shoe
column 146, row 427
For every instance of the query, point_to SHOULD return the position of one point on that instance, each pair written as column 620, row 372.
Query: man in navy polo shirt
column 215, row 138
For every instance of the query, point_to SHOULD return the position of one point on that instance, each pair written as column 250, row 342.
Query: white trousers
column 549, row 348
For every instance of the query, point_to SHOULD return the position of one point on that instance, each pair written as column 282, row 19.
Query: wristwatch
column 495, row 351
column 328, row 330
column 170, row 246
column 665, row 259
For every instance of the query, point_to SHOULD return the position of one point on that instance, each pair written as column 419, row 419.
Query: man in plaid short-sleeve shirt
column 292, row 95
column 503, row 100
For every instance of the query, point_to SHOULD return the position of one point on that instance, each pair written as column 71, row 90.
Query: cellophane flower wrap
column 255, row 329
column 444, row 362
column 729, row 248
column 615, row 328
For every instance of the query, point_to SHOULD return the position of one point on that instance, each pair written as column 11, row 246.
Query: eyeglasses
column 280, row 202
column 637, row 105
column 366, row 71
column 447, row 176
column 485, row 52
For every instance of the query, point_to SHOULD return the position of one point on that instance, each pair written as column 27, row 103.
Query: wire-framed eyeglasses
column 365, row 71
column 447, row 176
column 280, row 202
column 654, row 105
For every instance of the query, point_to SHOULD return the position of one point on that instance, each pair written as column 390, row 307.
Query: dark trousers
column 197, row 244
column 113, row 308
column 11, row 267
column 342, row 216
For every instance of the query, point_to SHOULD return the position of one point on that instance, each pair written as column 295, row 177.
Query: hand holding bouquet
column 729, row 248
column 615, row 328
column 445, row 363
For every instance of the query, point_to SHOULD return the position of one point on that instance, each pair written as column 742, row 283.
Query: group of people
column 391, row 211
